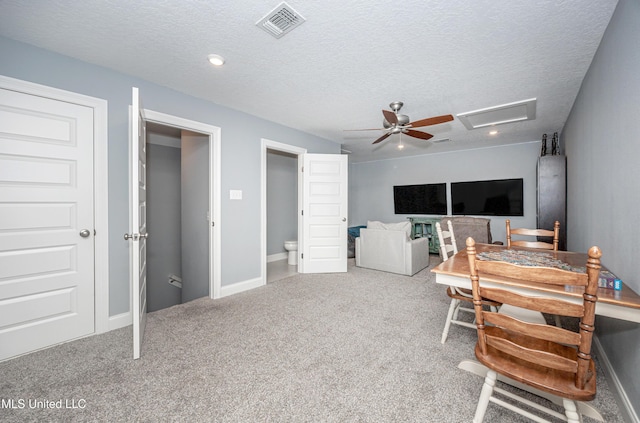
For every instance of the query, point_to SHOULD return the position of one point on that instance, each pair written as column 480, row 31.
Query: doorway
column 191, row 152
column 322, row 231
column 282, row 213
column 178, row 256
column 282, row 153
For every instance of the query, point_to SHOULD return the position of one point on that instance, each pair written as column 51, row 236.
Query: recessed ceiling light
column 493, row 132
column 215, row 59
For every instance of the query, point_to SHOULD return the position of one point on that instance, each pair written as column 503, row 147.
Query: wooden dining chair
column 555, row 234
column 541, row 245
column 458, row 296
column 447, row 239
column 547, row 358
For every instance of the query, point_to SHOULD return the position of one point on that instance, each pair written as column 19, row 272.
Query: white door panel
column 46, row 199
column 325, row 213
column 36, row 216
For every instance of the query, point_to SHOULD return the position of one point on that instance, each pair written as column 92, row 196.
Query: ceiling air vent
column 281, row 20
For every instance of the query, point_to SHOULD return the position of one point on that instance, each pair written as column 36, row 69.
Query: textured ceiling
column 346, row 63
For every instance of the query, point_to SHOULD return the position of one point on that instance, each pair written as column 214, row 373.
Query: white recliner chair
column 389, row 247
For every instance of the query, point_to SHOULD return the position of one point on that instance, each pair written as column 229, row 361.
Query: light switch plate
column 235, row 194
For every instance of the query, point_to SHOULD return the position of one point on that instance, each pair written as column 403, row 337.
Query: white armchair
column 388, row 247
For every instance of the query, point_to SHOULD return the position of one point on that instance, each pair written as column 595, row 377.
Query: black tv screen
column 420, row 199
column 502, row 197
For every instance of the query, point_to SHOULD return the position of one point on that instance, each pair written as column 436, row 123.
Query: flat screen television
column 420, row 199
column 502, row 197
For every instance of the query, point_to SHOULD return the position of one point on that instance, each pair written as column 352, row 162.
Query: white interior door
column 324, row 215
column 46, row 222
column 138, row 218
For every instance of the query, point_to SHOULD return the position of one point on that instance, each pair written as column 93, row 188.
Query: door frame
column 100, row 186
column 267, row 144
column 214, row 133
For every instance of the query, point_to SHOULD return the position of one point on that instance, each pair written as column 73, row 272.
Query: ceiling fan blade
column 431, row 121
column 418, row 134
column 390, row 117
column 382, row 138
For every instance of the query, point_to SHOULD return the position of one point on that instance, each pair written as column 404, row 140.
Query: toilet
column 292, row 248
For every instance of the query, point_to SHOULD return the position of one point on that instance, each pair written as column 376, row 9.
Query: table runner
column 529, row 258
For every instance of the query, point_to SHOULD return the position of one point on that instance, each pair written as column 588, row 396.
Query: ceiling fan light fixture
column 400, row 144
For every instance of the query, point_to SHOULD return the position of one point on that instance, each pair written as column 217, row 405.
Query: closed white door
column 324, row 178
column 138, row 217
column 46, row 222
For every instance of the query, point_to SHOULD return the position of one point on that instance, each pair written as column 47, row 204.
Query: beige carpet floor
column 357, row 347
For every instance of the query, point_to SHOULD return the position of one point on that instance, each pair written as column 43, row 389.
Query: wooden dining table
column 623, row 304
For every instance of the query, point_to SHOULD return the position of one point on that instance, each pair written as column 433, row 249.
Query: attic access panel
column 497, row 115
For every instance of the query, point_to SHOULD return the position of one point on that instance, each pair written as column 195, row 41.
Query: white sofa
column 389, row 247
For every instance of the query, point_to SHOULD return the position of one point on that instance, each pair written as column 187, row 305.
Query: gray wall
column 371, row 184
column 195, row 225
column 178, row 203
column 163, row 220
column 241, row 154
column 602, row 143
column 282, row 200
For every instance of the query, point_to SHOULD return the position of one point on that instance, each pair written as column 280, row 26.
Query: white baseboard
column 120, row 320
column 238, row 287
column 628, row 412
column 276, row 257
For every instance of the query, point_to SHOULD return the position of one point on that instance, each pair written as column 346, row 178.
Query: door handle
column 145, row 235
column 344, row 219
column 85, row 233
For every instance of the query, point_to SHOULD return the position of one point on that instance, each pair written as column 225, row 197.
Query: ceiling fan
column 395, row 123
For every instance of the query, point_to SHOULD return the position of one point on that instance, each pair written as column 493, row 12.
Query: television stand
column 425, row 227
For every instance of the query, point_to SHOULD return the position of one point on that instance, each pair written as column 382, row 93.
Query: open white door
column 138, row 220
column 324, row 213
